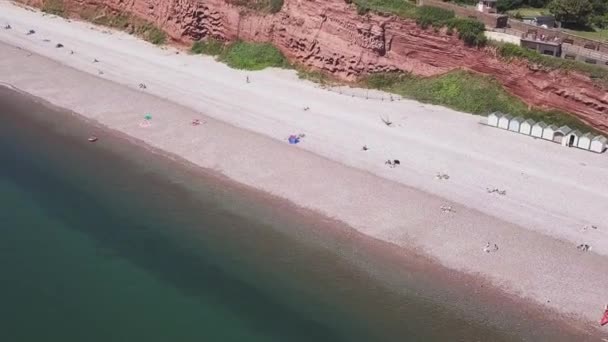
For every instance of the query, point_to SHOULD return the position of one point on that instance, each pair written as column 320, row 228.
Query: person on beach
column 247, row 79
column 487, row 248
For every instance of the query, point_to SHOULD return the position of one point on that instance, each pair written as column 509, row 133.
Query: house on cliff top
column 487, row 6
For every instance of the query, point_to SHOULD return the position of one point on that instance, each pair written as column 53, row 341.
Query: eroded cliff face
column 330, row 35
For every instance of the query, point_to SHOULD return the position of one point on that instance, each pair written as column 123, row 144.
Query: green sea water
column 111, row 242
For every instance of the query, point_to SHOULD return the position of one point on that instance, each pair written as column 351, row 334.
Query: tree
column 506, row 5
column 540, row 3
column 600, row 21
column 573, row 12
column 600, row 7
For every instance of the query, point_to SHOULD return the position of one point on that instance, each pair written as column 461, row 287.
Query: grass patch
column 265, row 6
column 527, row 12
column 211, row 47
column 595, row 34
column 433, row 16
column 510, row 51
column 469, row 30
column 55, row 7
column 316, row 76
column 151, row 33
column 466, row 92
column 142, row 28
column 402, row 8
column 252, row 56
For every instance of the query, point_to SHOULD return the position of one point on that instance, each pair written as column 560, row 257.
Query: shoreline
column 390, row 263
column 333, row 183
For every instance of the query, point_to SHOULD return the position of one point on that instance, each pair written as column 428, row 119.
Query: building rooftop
column 541, row 41
column 565, row 130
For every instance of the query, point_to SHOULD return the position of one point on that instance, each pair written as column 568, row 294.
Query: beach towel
column 604, row 319
column 293, row 139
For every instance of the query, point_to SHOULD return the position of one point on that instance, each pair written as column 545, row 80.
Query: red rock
column 329, row 35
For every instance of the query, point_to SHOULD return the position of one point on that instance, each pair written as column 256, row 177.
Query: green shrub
column 120, row 21
column 152, row 34
column 275, row 6
column 467, row 92
column 470, row 31
column 55, row 7
column 211, row 47
column 268, row 6
column 362, row 9
column 253, row 56
column 315, row 76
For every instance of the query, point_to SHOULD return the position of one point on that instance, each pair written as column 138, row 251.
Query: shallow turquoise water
column 108, row 242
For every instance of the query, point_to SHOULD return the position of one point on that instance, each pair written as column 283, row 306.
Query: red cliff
column 330, row 35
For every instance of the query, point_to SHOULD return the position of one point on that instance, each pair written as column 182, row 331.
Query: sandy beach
column 554, row 195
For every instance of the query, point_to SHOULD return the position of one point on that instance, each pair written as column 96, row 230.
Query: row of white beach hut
column 562, row 135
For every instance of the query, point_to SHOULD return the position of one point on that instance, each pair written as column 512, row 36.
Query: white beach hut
column 515, row 123
column 538, row 129
column 598, row 144
column 503, row 121
column 560, row 133
column 549, row 132
column 571, row 139
column 584, row 141
column 493, row 118
column 526, row 127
